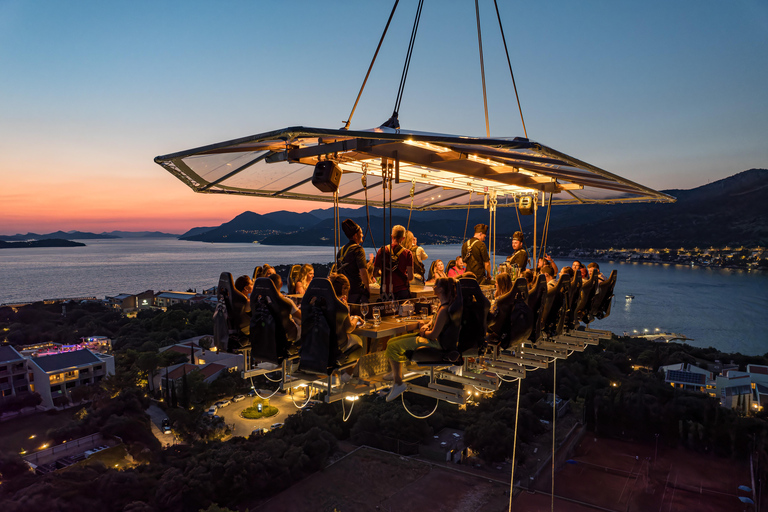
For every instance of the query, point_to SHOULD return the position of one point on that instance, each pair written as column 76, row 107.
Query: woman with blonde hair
column 428, row 336
column 436, row 271
column 305, row 276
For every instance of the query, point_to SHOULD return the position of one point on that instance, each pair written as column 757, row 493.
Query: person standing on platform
column 519, row 254
column 350, row 262
column 397, row 262
column 475, row 254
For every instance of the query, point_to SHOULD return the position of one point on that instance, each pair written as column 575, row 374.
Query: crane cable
column 545, row 232
column 514, row 445
column 375, row 54
column 393, row 122
column 466, row 223
column 368, row 230
column 410, row 210
column 554, row 430
column 482, row 69
column 504, row 39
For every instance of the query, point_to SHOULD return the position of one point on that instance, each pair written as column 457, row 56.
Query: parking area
column 243, row 427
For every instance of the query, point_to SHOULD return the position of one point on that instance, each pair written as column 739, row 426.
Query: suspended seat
column 601, row 304
column 323, row 336
column 273, row 334
column 231, row 318
column 573, row 299
column 513, row 321
column 536, row 300
column 448, row 354
column 555, row 308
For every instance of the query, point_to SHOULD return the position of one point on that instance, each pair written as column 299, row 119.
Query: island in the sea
column 53, row 242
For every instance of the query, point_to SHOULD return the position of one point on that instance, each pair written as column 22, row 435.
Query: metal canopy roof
column 443, row 171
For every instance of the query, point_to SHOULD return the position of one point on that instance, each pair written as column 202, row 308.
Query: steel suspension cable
column 501, row 28
column 554, row 429
column 376, row 53
column 407, row 64
column 482, row 69
column 514, row 445
column 466, row 223
column 545, row 233
column 368, row 230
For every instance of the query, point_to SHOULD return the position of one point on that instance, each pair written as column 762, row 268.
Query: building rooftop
column 211, row 369
column 182, row 349
column 757, row 368
column 8, row 354
column 176, row 295
column 121, row 296
column 64, row 360
column 179, row 372
column 683, row 377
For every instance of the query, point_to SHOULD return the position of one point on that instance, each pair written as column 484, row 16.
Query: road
column 158, row 415
column 243, row 427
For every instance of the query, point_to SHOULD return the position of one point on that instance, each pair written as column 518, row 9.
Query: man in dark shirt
column 350, row 261
column 400, row 276
column 519, row 254
column 475, row 254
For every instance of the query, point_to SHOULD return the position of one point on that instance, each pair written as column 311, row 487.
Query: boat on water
column 629, row 297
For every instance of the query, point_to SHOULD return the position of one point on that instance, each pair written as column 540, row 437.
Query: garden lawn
column 15, row 433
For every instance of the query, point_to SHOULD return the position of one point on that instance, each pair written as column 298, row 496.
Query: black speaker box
column 327, row 176
column 525, row 205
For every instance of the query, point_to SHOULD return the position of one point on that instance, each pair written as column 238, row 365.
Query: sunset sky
column 668, row 94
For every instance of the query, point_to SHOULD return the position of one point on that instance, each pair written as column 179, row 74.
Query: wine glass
column 364, row 312
column 376, row 316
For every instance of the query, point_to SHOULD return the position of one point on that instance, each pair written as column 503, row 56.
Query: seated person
column 295, row 311
column 445, row 289
column 549, row 273
column 436, row 271
column 244, row 284
column 547, row 260
column 579, row 267
column 457, row 269
column 341, row 287
column 567, row 271
column 267, row 270
column 305, row 276
column 503, row 286
column 594, row 267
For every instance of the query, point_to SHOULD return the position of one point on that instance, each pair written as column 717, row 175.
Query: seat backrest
column 536, row 302
column 449, row 336
column 513, row 322
column 323, row 335
column 293, row 276
column 573, row 299
column 585, row 296
column 553, row 317
column 520, row 289
column 601, row 304
column 236, row 306
column 257, row 271
column 272, row 330
column 474, row 316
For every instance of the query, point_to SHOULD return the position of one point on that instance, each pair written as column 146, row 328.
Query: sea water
column 722, row 308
